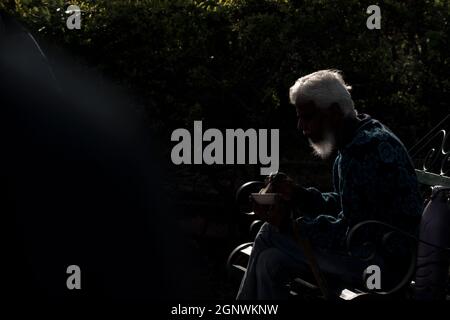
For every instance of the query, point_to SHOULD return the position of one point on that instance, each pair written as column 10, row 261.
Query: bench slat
column 247, row 250
column 432, row 179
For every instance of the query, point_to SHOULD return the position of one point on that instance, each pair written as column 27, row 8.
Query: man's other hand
column 272, row 214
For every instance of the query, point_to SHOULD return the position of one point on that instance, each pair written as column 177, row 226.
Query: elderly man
column 373, row 178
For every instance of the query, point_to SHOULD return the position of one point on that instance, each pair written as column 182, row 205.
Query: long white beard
column 324, row 148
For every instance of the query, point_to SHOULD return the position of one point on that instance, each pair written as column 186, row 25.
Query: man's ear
column 336, row 112
column 335, row 108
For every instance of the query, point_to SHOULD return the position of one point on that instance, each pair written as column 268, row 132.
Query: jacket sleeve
column 375, row 185
column 311, row 202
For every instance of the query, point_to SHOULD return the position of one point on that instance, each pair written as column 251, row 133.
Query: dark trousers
column 276, row 259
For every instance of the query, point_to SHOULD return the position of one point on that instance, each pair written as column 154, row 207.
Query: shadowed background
column 229, row 64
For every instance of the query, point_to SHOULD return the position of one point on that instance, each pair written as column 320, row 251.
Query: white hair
column 324, row 88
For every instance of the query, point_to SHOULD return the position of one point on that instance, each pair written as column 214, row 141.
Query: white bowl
column 264, row 198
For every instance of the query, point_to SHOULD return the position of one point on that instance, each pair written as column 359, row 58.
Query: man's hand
column 278, row 212
column 285, row 189
column 280, row 183
column 270, row 213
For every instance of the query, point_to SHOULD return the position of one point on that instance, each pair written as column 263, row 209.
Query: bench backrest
column 432, row 261
column 432, row 154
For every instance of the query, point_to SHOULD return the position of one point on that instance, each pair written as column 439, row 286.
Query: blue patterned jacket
column 373, row 178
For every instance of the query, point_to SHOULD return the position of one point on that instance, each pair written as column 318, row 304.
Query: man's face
column 315, row 125
column 310, row 121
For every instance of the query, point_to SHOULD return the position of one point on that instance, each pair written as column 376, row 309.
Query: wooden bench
column 428, row 272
